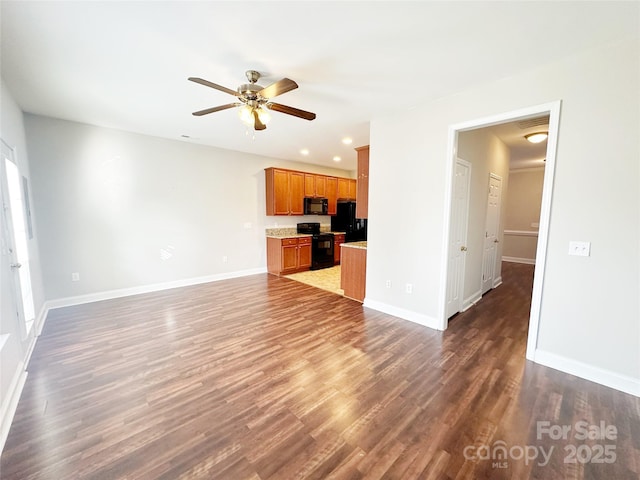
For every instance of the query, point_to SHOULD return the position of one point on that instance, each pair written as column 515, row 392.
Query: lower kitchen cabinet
column 353, row 272
column 337, row 241
column 288, row 255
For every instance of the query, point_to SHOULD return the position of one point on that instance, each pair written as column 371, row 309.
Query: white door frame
column 553, row 110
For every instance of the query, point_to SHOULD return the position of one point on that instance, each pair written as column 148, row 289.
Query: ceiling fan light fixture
column 537, row 137
column 263, row 115
column 245, row 114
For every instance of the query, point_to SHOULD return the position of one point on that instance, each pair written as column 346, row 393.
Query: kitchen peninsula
column 353, row 273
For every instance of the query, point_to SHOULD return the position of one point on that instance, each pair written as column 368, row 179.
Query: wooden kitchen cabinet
column 315, row 185
column 286, row 189
column 284, row 192
column 304, row 253
column 332, row 195
column 346, row 188
column 288, row 255
column 353, row 272
column 296, row 193
column 337, row 241
column 362, row 190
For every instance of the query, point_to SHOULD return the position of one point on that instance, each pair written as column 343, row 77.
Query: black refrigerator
column 345, row 220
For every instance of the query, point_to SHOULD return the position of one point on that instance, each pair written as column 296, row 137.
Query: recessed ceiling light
column 336, row 158
column 347, row 141
column 537, row 137
column 304, row 151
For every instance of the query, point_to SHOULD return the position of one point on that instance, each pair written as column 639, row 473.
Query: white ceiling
column 125, row 64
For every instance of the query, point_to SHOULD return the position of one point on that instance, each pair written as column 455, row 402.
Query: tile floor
column 325, row 278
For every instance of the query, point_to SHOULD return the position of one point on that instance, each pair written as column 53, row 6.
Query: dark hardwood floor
column 265, row 378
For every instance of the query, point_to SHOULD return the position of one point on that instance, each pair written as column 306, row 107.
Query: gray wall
column 590, row 310
column 126, row 210
column 522, row 210
column 487, row 154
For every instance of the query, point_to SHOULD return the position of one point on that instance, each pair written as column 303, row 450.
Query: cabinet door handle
column 15, row 265
column 463, row 248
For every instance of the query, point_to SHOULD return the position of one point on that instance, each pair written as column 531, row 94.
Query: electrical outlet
column 75, row 277
column 580, row 249
column 247, row 225
column 388, row 284
column 225, row 259
column 408, row 288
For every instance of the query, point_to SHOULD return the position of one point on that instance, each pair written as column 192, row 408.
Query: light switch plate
column 580, row 249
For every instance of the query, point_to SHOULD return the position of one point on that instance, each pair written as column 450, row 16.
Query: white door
column 492, row 224
column 458, row 237
column 15, row 235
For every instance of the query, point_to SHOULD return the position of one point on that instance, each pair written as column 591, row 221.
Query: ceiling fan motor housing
column 249, row 91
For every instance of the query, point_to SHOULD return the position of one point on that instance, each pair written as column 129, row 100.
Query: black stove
column 321, row 245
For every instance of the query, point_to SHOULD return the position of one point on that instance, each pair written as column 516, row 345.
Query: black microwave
column 316, row 206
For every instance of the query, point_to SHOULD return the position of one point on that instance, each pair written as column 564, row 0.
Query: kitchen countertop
column 291, row 233
column 362, row 245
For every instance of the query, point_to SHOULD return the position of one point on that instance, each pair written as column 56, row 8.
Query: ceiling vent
column 533, row 122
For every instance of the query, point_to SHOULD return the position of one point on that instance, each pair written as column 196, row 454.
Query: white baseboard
column 497, row 282
column 9, row 406
column 126, row 292
column 528, row 261
column 604, row 377
column 471, row 300
column 414, row 317
column 40, row 319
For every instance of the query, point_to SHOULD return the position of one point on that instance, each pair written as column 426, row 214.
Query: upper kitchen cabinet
column 315, row 185
column 362, row 194
column 284, row 192
column 332, row 195
column 346, row 189
column 286, row 189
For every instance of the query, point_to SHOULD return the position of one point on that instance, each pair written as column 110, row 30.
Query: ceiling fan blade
column 257, row 124
column 199, row 113
column 281, row 86
column 207, row 83
column 296, row 112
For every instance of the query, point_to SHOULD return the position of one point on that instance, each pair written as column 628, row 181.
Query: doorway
column 16, row 231
column 553, row 111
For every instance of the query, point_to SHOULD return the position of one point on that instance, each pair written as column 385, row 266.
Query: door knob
column 496, row 241
column 15, row 265
column 463, row 248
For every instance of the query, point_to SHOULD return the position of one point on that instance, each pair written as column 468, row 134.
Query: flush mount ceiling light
column 537, row 137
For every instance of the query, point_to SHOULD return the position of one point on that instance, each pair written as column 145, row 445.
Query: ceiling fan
column 254, row 100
